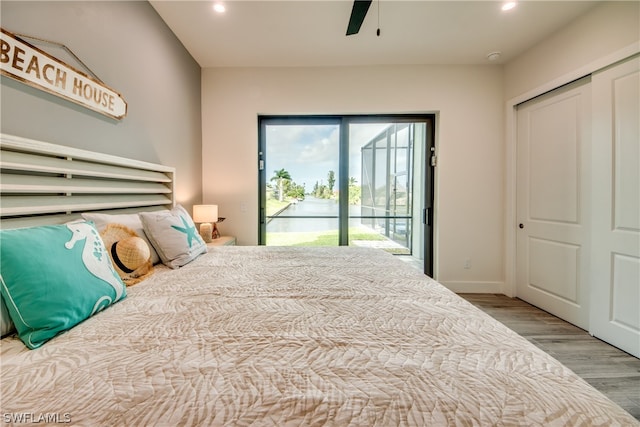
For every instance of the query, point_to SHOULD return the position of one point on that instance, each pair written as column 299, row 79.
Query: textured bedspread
column 295, row 336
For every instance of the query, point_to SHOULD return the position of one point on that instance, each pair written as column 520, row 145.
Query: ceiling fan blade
column 358, row 12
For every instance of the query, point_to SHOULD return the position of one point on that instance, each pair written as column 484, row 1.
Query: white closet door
column 552, row 243
column 615, row 264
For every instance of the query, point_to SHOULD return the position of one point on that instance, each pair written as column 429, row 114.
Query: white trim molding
column 475, row 287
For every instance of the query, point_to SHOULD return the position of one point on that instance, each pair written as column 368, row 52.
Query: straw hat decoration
column 130, row 254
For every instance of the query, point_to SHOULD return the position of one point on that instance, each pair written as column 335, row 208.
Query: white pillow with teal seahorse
column 54, row 277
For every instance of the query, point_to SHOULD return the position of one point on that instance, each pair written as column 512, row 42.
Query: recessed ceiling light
column 219, row 7
column 508, row 5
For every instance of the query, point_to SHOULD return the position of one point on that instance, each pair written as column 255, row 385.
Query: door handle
column 521, row 225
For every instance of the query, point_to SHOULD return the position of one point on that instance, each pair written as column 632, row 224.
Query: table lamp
column 207, row 216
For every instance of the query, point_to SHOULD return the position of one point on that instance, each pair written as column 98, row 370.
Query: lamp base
column 206, row 230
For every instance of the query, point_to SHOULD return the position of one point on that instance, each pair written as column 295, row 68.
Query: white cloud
column 309, row 152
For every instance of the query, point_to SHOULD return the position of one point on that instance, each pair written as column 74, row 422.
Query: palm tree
column 331, row 181
column 281, row 176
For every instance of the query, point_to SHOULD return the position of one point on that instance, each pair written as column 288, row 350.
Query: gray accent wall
column 129, row 47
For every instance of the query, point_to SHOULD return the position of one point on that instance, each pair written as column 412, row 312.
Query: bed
column 291, row 336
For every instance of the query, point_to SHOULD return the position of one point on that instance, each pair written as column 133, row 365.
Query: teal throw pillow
column 54, row 277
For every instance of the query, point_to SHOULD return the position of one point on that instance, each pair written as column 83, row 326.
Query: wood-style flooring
column 612, row 371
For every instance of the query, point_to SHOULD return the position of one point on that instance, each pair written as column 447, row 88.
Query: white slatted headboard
column 44, row 183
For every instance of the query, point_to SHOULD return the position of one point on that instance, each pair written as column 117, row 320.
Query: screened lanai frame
column 388, row 207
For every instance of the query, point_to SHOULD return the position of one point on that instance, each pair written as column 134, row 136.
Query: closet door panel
column 552, row 243
column 615, row 262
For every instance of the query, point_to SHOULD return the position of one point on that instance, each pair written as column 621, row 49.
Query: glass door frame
column 268, row 120
column 343, row 168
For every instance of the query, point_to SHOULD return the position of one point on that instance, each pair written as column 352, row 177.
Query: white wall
column 603, row 30
column 470, row 143
column 131, row 49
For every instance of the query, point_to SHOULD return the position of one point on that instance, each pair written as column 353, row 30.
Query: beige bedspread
column 295, row 336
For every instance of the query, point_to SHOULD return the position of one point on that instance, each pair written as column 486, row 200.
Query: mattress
column 294, row 336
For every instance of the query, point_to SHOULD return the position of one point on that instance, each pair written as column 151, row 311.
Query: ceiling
column 268, row 33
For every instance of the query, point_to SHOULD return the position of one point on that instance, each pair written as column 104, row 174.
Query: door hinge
column 434, row 160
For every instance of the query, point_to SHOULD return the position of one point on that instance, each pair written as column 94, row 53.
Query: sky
column 309, row 152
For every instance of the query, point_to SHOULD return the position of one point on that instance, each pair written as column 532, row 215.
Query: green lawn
column 323, row 238
column 273, row 206
column 319, row 238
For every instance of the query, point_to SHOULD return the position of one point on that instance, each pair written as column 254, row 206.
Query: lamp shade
column 205, row 213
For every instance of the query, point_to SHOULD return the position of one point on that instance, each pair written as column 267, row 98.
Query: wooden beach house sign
column 34, row 67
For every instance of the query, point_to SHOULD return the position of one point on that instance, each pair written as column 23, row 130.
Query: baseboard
column 475, row 287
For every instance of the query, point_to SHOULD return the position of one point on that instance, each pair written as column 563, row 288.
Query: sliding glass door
column 347, row 180
column 299, row 185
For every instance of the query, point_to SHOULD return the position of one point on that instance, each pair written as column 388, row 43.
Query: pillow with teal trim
column 54, row 277
column 174, row 236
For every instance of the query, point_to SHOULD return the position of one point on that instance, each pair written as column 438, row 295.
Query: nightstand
column 222, row 241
